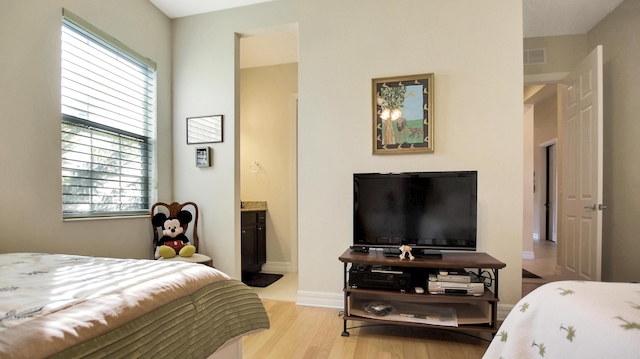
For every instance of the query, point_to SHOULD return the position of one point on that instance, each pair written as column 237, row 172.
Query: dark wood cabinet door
column 254, row 241
column 248, row 244
column 261, row 239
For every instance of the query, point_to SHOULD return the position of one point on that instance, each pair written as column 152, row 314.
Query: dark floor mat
column 527, row 274
column 260, row 279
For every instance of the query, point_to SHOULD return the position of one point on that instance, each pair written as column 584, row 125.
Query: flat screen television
column 430, row 211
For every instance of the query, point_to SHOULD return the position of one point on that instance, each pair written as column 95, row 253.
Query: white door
column 581, row 186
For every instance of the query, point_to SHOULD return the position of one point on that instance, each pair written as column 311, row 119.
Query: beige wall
column 618, row 33
column 563, row 53
column 478, row 117
column 266, row 136
column 30, row 173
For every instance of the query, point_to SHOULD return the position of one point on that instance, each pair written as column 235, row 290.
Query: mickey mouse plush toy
column 174, row 241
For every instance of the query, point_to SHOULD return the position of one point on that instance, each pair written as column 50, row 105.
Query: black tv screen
column 427, row 210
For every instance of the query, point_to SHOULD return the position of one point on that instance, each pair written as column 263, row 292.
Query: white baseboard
column 536, row 236
column 320, row 299
column 277, row 267
column 503, row 310
column 528, row 255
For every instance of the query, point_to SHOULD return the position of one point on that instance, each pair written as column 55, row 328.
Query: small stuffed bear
column 173, row 241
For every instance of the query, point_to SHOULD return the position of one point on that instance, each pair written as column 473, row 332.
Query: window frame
column 148, row 138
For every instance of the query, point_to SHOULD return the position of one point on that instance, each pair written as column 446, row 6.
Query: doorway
column 268, row 147
column 540, row 252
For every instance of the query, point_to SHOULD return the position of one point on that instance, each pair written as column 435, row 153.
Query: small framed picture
column 205, row 129
column 203, row 157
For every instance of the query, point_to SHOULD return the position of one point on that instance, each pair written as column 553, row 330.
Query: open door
column 581, row 172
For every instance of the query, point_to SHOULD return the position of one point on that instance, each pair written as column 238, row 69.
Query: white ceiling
column 540, row 17
column 563, row 17
column 175, row 9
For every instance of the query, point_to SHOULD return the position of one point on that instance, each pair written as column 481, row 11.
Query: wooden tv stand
column 472, row 313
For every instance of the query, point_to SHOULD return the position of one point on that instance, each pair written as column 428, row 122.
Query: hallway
column 544, row 265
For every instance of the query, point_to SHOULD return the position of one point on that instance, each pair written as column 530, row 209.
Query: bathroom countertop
column 248, row 206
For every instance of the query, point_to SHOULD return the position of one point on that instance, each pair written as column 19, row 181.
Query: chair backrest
column 173, row 209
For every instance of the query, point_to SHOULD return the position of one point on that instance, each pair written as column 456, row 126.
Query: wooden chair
column 172, row 210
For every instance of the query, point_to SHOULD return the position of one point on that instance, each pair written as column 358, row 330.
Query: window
column 108, row 113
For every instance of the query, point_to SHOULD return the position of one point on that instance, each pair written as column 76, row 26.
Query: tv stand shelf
column 474, row 313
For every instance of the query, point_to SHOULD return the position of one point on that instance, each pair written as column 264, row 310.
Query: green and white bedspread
column 572, row 319
column 67, row 306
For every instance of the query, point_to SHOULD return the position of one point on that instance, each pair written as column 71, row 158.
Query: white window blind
column 108, row 113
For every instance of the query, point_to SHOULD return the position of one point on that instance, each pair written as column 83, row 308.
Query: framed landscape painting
column 403, row 114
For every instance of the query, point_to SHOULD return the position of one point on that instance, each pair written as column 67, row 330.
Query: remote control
column 419, row 290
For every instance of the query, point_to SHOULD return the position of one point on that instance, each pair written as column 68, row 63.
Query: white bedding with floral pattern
column 572, row 319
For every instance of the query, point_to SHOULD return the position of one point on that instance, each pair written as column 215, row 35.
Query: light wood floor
column 315, row 333
column 544, row 262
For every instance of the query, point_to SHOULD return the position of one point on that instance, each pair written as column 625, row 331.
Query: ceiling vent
column 535, row 56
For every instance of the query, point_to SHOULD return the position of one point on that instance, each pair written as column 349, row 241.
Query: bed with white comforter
column 67, row 306
column 572, row 319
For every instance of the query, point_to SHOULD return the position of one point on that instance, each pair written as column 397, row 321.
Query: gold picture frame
column 403, row 114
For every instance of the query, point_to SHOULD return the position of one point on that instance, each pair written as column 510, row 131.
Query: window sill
column 77, row 219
